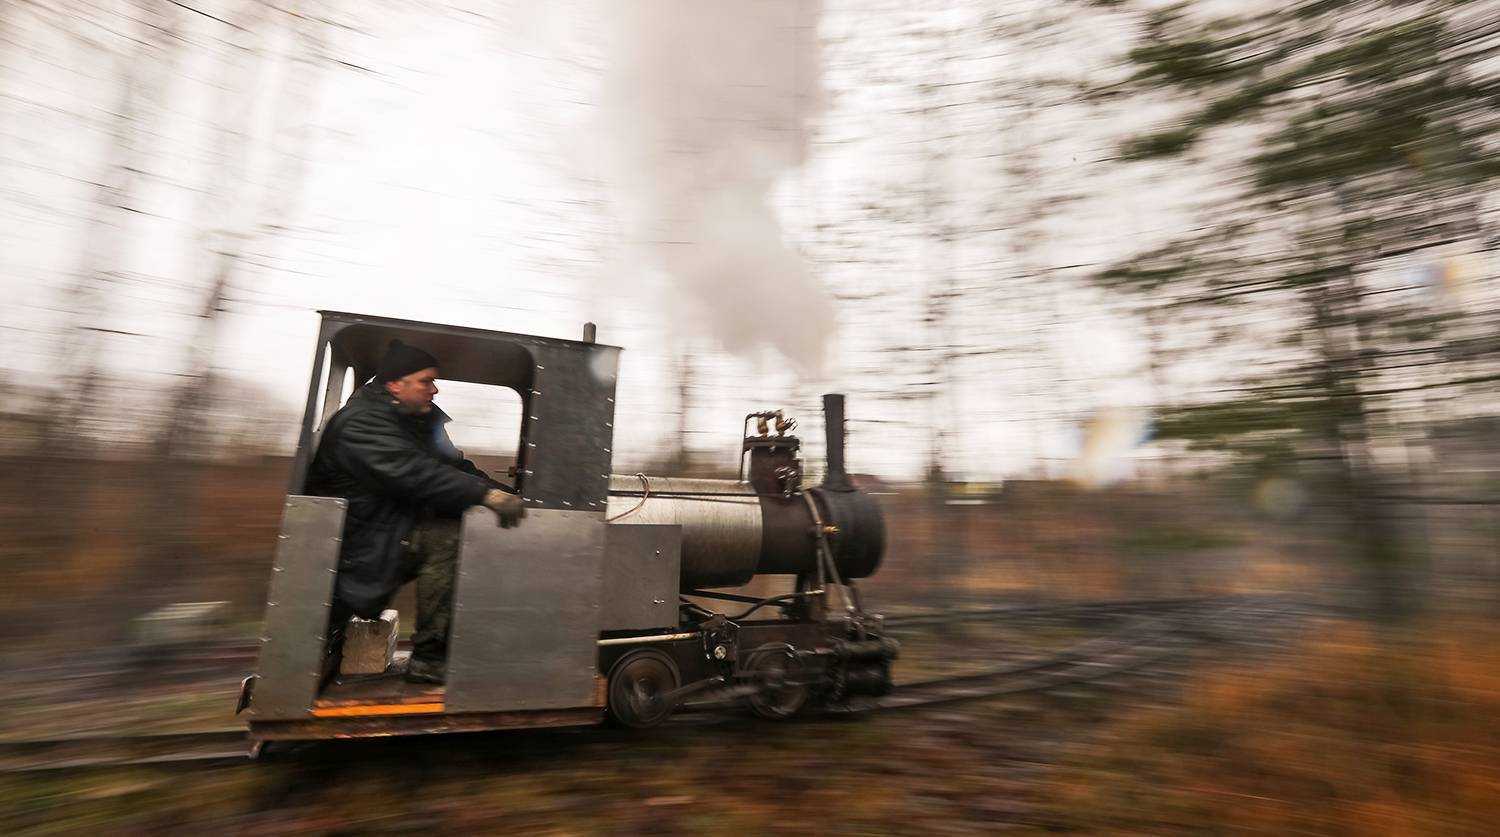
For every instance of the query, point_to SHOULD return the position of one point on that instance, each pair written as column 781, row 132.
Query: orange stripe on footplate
column 388, row 709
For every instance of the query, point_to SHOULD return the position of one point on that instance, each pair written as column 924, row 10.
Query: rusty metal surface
column 526, row 616
column 836, row 479
column 773, row 467
column 421, row 724
column 858, row 542
column 640, row 577
column 720, row 520
column 388, row 688
column 788, row 545
column 302, row 578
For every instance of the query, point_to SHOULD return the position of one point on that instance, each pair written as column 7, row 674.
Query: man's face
column 416, row 390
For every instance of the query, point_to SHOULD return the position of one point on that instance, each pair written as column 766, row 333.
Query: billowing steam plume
column 710, row 101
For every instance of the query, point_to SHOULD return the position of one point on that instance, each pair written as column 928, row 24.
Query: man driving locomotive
column 387, row 453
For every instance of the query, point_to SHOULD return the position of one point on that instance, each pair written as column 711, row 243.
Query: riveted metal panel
column 640, row 577
column 526, row 612
column 569, row 427
column 291, row 650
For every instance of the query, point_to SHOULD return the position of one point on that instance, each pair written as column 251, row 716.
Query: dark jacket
column 396, row 468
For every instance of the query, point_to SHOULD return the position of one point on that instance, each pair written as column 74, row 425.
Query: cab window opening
column 486, row 425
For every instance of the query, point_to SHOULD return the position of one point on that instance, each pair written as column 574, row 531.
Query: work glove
column 510, row 508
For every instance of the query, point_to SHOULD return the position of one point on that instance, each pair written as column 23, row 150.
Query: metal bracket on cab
column 247, row 686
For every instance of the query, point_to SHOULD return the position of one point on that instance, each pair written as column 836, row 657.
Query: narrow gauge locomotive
column 601, row 603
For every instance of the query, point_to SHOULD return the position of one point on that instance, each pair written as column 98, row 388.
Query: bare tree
column 143, row 71
column 237, row 211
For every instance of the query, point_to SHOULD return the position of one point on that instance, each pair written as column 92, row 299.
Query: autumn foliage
column 1353, row 733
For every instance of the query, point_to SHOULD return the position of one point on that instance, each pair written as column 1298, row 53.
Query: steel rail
column 1099, row 645
column 1136, row 645
column 219, row 656
column 1072, row 665
column 1039, row 678
column 107, row 751
column 1104, row 608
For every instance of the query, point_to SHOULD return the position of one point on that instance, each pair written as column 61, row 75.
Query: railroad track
column 1164, row 629
column 104, row 751
column 1138, row 644
column 213, row 659
column 1072, row 610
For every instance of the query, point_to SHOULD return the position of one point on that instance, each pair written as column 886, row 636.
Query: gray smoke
column 709, row 104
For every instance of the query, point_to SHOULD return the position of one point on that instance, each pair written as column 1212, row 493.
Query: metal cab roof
column 567, row 389
column 471, row 355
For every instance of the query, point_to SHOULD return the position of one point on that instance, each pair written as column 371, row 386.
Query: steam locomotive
column 604, row 603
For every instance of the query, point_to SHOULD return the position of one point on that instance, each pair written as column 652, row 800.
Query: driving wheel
column 780, row 695
column 638, row 685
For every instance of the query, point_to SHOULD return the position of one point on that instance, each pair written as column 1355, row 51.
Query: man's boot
column 424, row 670
column 333, row 644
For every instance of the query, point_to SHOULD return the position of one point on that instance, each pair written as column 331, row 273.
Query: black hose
column 763, row 602
column 690, row 606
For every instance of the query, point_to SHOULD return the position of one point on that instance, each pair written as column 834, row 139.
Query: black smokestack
column 833, row 423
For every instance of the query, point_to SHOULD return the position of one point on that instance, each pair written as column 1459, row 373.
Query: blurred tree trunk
column 1386, row 159
column 143, row 71
column 241, row 207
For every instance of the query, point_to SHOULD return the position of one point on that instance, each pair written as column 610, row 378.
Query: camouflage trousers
column 433, row 563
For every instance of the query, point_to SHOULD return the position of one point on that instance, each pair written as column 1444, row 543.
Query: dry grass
column 1355, row 733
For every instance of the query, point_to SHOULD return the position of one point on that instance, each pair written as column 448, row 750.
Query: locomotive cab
column 579, row 611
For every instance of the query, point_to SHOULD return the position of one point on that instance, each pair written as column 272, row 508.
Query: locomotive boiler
column 615, row 598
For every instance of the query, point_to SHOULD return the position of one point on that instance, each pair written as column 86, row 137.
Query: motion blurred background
column 1129, row 300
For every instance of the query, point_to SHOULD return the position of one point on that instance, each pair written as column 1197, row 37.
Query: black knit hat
column 402, row 360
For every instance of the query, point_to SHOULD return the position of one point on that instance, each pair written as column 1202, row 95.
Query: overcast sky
column 464, row 165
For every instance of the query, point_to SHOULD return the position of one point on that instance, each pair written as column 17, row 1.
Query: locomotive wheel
column 638, row 685
column 778, row 697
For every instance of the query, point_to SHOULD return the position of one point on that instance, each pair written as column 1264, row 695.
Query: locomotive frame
column 595, row 605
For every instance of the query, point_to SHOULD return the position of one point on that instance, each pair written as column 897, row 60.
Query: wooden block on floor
column 369, row 644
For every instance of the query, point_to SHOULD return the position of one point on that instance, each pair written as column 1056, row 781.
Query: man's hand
column 510, row 508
